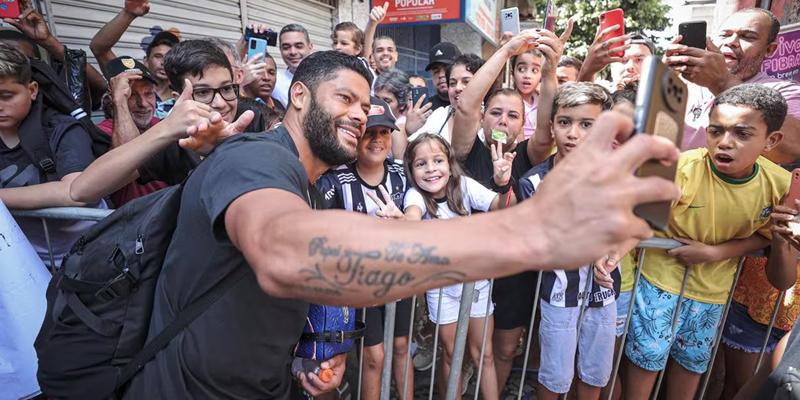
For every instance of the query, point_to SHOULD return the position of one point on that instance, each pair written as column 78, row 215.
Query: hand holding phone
column 660, row 111
column 509, row 20
column 417, row 93
column 256, row 46
column 271, row 37
column 609, row 19
column 693, row 34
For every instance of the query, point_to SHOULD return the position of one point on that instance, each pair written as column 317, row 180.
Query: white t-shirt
column 282, row 83
column 475, row 197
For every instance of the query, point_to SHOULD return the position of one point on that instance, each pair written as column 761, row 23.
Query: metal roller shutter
column 316, row 17
column 77, row 21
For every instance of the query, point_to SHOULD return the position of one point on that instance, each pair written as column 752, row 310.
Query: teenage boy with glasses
column 202, row 73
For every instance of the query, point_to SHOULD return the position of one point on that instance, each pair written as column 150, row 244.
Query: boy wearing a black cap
column 109, row 35
column 376, row 186
column 440, row 56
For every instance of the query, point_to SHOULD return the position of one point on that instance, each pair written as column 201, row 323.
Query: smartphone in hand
column 693, row 34
column 549, row 16
column 416, row 94
column 9, row 8
column 609, row 19
column 256, row 46
column 509, row 20
column 270, row 36
column 794, row 190
column 660, row 111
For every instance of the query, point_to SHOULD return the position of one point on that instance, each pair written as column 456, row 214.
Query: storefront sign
column 403, row 12
column 785, row 62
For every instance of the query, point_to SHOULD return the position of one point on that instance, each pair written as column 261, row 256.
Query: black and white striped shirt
column 563, row 288
column 342, row 188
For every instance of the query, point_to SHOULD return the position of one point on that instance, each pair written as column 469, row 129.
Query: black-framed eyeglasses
column 206, row 95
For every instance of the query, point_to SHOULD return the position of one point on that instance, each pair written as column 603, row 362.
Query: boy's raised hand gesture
column 387, row 210
column 502, row 164
column 378, row 13
column 197, row 127
column 137, row 8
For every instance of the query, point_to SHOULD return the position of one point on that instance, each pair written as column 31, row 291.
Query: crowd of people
column 542, row 168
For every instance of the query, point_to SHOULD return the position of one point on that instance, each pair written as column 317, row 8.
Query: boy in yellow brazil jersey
column 728, row 193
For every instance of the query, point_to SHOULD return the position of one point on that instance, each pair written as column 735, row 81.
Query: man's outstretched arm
column 334, row 257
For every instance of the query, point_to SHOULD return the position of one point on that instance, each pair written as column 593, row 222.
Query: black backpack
column 54, row 105
column 92, row 340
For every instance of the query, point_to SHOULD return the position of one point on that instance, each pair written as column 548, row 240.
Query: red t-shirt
column 133, row 189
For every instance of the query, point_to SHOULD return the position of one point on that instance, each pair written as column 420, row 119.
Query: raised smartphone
column 256, row 46
column 270, row 36
column 609, row 19
column 509, row 20
column 693, row 33
column 660, row 111
column 9, row 8
column 416, row 94
column 549, row 16
column 794, row 190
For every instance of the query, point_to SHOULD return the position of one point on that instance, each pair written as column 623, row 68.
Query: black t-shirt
column 478, row 164
column 70, row 146
column 174, row 163
column 240, row 348
column 438, row 102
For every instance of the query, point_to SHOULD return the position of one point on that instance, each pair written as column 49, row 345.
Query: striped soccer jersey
column 342, row 188
column 563, row 288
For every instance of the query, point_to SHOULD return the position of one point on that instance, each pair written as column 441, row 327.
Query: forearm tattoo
column 356, row 269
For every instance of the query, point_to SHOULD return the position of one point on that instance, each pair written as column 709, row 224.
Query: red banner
column 421, row 11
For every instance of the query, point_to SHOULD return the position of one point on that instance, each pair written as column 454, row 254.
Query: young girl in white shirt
column 440, row 191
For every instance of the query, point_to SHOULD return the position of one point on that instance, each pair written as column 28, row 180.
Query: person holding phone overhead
column 609, row 45
column 734, row 56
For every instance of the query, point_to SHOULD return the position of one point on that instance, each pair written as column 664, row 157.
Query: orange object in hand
column 326, row 374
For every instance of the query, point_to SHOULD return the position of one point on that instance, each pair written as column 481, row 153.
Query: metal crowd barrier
column 70, row 213
column 454, row 378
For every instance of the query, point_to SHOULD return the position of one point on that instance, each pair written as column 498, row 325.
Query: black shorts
column 513, row 300
column 373, row 334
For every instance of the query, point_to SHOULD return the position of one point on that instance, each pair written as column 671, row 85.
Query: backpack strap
column 178, row 324
column 36, row 142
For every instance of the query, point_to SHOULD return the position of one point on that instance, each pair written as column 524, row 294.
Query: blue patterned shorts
column 650, row 340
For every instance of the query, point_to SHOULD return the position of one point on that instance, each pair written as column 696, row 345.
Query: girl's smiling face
column 431, row 169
